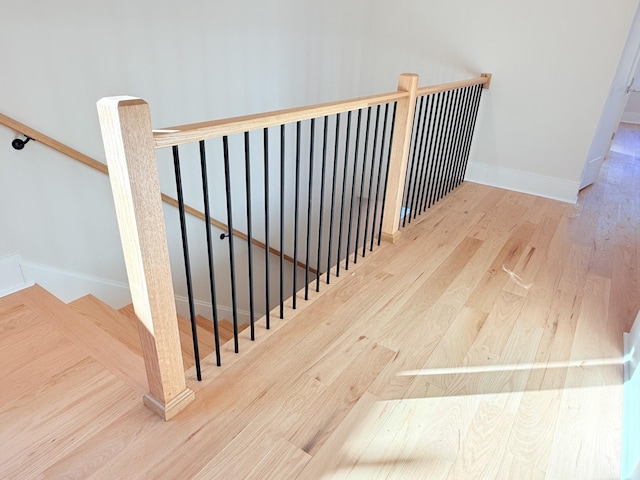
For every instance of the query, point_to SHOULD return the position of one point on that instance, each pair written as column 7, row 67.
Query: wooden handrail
column 181, row 134
column 484, row 80
column 167, row 137
column 101, row 167
column 52, row 143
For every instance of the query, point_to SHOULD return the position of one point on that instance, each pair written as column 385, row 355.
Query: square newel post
column 399, row 156
column 128, row 141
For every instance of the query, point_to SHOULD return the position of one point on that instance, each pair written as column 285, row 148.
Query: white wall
column 614, row 106
column 193, row 60
column 632, row 109
column 553, row 63
column 631, row 112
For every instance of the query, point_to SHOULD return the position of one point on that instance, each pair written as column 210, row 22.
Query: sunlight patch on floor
column 599, row 362
column 472, row 436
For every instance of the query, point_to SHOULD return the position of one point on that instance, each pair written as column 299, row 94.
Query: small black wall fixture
column 224, row 235
column 19, row 144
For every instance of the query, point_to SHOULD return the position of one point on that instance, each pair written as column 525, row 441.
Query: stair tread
column 205, row 323
column 205, row 334
column 225, row 328
column 100, row 345
column 119, row 326
column 203, row 331
column 205, row 341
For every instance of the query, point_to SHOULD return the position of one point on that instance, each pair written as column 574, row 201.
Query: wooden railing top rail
column 101, row 167
column 484, row 79
column 194, row 132
column 167, row 137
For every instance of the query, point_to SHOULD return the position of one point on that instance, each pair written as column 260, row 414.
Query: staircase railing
column 36, row 135
column 363, row 153
column 443, row 127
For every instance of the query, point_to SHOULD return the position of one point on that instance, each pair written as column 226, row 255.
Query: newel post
column 399, row 156
column 128, row 141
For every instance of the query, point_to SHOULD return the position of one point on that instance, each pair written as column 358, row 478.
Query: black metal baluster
column 447, row 145
column 442, row 146
column 433, row 141
column 312, row 133
column 409, row 179
column 353, row 189
column 411, row 184
column 296, row 219
column 474, row 117
column 386, row 175
column 187, row 263
column 336, row 147
column 370, row 192
column 322, row 182
column 232, row 254
column 282, row 161
column 469, row 114
column 380, row 163
column 207, row 224
column 362, row 179
column 344, row 187
column 426, row 161
column 267, row 276
column 247, row 176
column 457, row 139
column 466, row 121
column 420, row 158
column 437, row 145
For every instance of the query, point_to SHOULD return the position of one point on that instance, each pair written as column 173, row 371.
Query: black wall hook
column 19, row 144
column 223, row 236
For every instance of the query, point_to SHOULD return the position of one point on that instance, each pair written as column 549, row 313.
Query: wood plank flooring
column 485, row 344
column 55, row 395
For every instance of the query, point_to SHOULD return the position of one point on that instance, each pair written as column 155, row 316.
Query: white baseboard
column 630, row 465
column 12, row 278
column 69, row 286
column 630, row 117
column 524, row 182
column 204, row 309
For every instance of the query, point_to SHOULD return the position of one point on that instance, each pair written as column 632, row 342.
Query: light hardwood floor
column 485, row 344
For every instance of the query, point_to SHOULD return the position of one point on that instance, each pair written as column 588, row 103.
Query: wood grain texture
column 126, row 131
column 178, row 135
column 400, row 369
column 56, row 390
column 401, row 143
column 204, row 330
column 122, row 328
column 97, row 343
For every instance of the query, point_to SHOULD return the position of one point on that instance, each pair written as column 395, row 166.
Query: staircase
column 111, row 337
column 204, row 329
